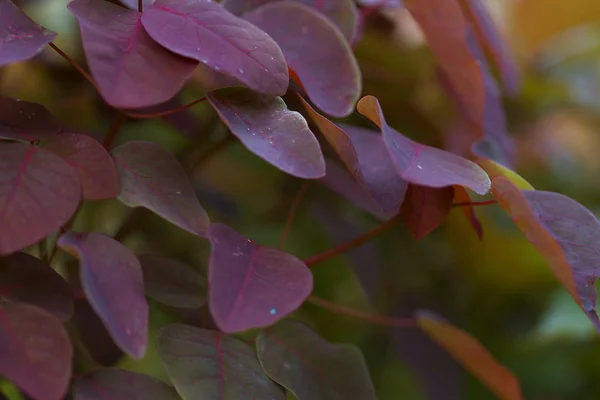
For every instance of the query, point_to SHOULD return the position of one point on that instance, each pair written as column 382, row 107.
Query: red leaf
column 424, row 209
column 317, row 52
column 23, row 120
column 250, row 285
column 271, row 131
column 111, row 277
column 205, row 31
column 92, row 162
column 39, row 193
column 20, row 37
column 151, row 177
column 131, row 69
column 35, row 351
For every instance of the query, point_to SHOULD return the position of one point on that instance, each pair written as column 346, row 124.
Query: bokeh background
column 498, row 289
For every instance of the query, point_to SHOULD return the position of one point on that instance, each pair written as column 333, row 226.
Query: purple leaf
column 26, row 279
column 316, row 51
column 250, row 285
column 92, row 162
column 35, row 351
column 20, row 37
column 424, row 165
column 172, row 282
column 111, row 277
column 131, row 70
column 205, row 364
column 151, row 177
column 205, row 31
column 118, row 384
column 23, row 120
column 39, row 193
column 271, row 131
column 342, row 13
column 294, row 356
column 133, row 4
column 426, row 208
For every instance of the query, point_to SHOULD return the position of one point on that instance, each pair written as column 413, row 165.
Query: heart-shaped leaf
column 131, row 69
column 111, row 277
column 26, row 279
column 20, row 37
column 172, row 282
column 424, row 209
column 296, row 357
column 35, row 351
column 39, row 193
column 92, row 162
column 328, row 71
column 24, row 120
column 118, row 384
column 205, row 31
column 424, row 165
column 205, row 364
column 565, row 233
column 471, row 355
column 151, row 177
column 271, row 131
column 250, row 285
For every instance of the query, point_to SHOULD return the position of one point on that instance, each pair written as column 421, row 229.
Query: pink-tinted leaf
column 364, row 154
column 296, row 357
column 565, row 233
column 271, row 131
column 328, row 71
column 111, row 277
column 424, row 209
column 20, row 37
column 35, row 351
column 26, row 121
column 131, row 69
column 26, row 279
column 205, row 31
column 342, row 13
column 151, row 177
column 424, row 165
column 39, row 192
column 205, row 364
column 471, row 355
column 118, row 384
column 172, row 282
column 92, row 162
column 250, row 285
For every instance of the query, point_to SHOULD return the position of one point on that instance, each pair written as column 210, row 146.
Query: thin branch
column 365, row 237
column 475, row 203
column 140, row 5
column 75, row 65
column 114, row 130
column 292, row 214
column 362, row 315
column 164, row 113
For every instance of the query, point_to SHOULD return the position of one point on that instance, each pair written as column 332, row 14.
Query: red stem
column 140, row 5
column 164, row 113
column 475, row 203
column 292, row 214
column 74, row 64
column 112, row 133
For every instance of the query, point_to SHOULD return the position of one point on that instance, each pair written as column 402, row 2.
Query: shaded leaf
column 205, row 31
column 206, row 365
column 39, row 193
column 424, row 209
column 565, row 233
column 26, row 279
column 35, row 351
column 111, row 277
column 424, row 165
column 471, row 355
column 92, row 162
column 24, row 120
column 131, row 69
column 312, row 369
column 328, row 72
column 151, row 177
column 172, row 282
column 271, row 131
column 20, row 37
column 118, row 384
column 250, row 285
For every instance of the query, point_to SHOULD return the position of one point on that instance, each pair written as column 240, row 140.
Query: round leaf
column 24, row 120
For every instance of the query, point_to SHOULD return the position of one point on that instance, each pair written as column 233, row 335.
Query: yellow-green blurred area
column 498, row 289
